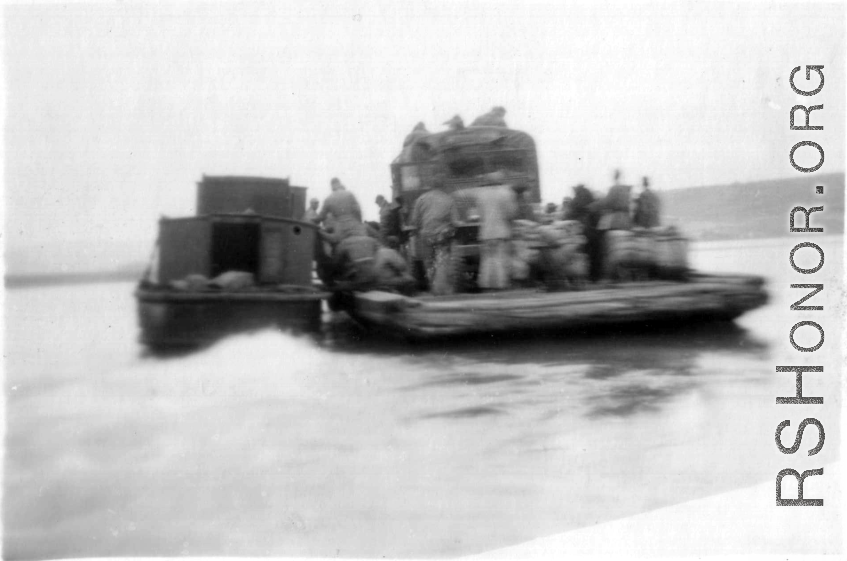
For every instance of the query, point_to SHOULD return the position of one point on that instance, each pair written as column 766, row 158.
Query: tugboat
column 661, row 289
column 243, row 262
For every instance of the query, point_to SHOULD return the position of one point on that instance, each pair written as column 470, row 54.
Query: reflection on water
column 350, row 445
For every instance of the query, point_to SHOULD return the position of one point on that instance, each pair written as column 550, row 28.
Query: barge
column 468, row 158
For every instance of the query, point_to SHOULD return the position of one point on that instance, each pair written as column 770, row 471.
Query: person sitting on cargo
column 312, row 212
column 417, row 132
column 455, row 124
column 392, row 271
column 346, row 213
column 434, row 218
column 494, row 118
column 354, row 260
column 647, row 207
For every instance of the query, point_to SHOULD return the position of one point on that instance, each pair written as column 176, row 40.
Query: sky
column 114, row 111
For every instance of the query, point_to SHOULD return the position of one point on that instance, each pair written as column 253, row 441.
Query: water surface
column 348, row 445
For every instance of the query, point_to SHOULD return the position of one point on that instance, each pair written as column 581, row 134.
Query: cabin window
column 466, row 166
column 508, row 161
column 414, row 177
column 235, row 247
column 410, row 178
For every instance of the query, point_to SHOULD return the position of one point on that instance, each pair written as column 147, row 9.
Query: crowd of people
column 618, row 210
column 351, row 251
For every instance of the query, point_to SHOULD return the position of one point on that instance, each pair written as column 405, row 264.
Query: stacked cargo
column 643, row 253
column 556, row 251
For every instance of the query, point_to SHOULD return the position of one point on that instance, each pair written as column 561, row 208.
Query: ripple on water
column 466, row 413
column 466, row 379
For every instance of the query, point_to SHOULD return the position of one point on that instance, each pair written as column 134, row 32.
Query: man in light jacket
column 497, row 206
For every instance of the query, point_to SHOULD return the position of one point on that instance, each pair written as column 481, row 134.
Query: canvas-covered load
column 465, row 158
column 228, row 281
column 627, row 255
column 272, row 250
column 524, row 248
column 563, row 232
column 564, row 260
column 671, row 252
column 431, row 146
column 556, row 251
column 523, row 257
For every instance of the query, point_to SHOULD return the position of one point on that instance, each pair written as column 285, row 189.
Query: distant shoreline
column 48, row 279
column 95, row 277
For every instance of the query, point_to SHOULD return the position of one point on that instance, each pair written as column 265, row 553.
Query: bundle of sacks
column 230, row 280
column 555, row 251
column 524, row 258
column 565, row 260
column 643, row 253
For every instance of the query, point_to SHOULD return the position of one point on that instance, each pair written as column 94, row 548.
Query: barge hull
column 701, row 297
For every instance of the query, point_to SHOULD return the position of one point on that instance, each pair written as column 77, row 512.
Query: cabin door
column 235, row 247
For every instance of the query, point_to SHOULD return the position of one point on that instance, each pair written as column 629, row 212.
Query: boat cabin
column 262, row 195
column 275, row 250
column 247, row 224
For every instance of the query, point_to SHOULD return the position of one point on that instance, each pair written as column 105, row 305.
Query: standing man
column 389, row 222
column 614, row 207
column 647, row 207
column 497, row 206
column 346, row 212
column 581, row 209
column 434, row 217
column 312, row 212
column 322, row 249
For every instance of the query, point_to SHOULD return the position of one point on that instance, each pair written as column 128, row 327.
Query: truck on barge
column 468, row 158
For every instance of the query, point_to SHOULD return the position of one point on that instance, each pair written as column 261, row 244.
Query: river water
column 346, row 445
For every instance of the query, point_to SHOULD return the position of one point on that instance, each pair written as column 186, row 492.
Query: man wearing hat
column 647, row 206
